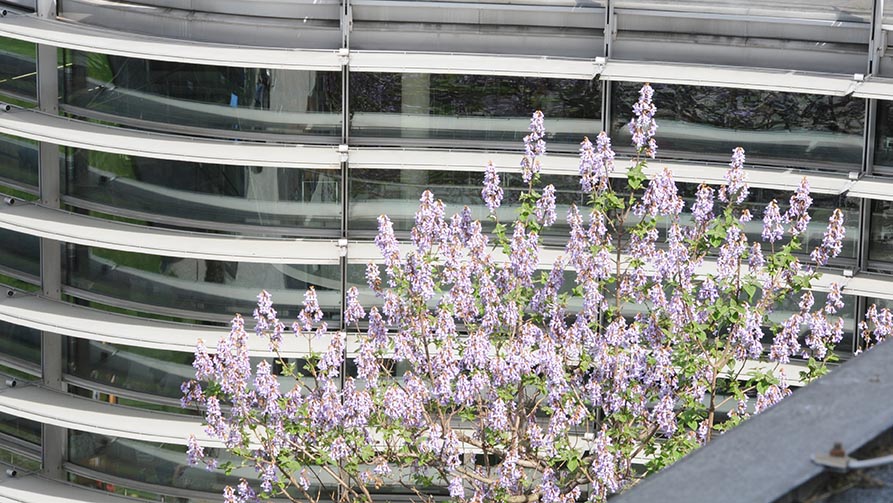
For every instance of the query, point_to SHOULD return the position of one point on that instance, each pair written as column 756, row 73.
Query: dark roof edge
column 770, row 455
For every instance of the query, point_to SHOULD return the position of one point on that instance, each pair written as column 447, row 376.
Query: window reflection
column 471, row 107
column 879, row 243
column 396, row 193
column 774, row 128
column 154, row 371
column 156, row 464
column 20, row 342
column 883, row 148
column 232, row 99
column 217, row 194
column 18, row 160
column 18, row 68
column 20, row 252
column 203, row 289
column 23, row 429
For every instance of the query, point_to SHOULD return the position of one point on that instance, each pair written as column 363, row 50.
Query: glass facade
column 776, row 129
column 156, row 464
column 204, row 289
column 879, row 249
column 18, row 69
column 470, row 108
column 151, row 371
column 20, row 428
column 18, row 160
column 396, row 192
column 434, row 106
column 20, row 253
column 237, row 100
column 21, row 343
column 205, row 195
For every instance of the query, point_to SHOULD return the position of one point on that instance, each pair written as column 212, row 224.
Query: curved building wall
column 169, row 158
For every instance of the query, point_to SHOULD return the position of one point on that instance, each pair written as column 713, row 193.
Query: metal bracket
column 838, row 461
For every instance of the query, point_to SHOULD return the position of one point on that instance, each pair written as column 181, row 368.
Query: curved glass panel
column 154, row 371
column 20, row 342
column 18, row 68
column 396, row 193
column 851, row 10
column 881, row 237
column 883, row 143
column 23, row 429
column 478, row 108
column 157, row 464
column 20, row 252
column 242, row 195
column 200, row 287
column 787, row 129
column 233, row 99
column 18, row 160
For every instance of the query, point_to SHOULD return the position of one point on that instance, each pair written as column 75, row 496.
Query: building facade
column 164, row 160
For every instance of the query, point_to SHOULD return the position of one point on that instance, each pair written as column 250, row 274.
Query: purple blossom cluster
column 661, row 197
column 798, row 213
column 596, row 164
column 735, row 189
column 491, row 193
column 643, row 126
column 545, row 206
column 534, row 148
column 832, row 240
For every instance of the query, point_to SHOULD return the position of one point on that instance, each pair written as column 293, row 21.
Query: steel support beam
column 55, row 439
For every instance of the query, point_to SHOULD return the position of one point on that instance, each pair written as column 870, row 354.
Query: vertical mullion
column 54, row 439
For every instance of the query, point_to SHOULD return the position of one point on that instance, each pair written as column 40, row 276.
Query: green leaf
column 636, row 176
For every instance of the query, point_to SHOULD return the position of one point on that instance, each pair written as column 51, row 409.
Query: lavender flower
column 387, row 242
column 661, row 197
column 492, row 192
column 786, row 343
column 772, row 223
column 551, row 493
column 373, row 277
column 353, row 311
column 456, row 488
column 330, row 363
column 311, row 313
column 545, row 206
column 534, row 148
column 832, row 240
column 702, row 208
column 772, row 395
column 731, row 252
column 735, row 189
column 596, row 163
column 429, row 222
column 195, row 452
column 664, row 415
column 798, row 213
column 643, row 127
column 607, row 479
column 524, row 255
column 834, row 301
column 756, row 261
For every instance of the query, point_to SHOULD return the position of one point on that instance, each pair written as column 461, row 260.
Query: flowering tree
column 515, row 386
